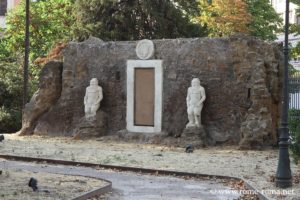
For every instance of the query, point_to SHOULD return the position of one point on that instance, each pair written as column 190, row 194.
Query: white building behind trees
column 5, row 5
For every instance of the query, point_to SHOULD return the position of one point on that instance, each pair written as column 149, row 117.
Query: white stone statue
column 194, row 100
column 92, row 98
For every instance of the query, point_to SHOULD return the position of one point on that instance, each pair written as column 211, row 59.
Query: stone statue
column 92, row 98
column 194, row 100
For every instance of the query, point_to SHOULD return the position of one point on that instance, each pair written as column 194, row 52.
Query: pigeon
column 1, row 138
column 33, row 184
column 189, row 148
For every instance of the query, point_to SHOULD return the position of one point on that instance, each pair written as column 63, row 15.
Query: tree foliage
column 265, row 21
column 50, row 23
column 224, row 17
column 10, row 90
column 297, row 2
column 189, row 8
column 134, row 19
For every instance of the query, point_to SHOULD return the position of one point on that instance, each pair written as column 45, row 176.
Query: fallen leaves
column 271, row 178
column 296, row 178
column 237, row 185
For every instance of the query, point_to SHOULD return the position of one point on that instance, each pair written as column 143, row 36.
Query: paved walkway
column 131, row 186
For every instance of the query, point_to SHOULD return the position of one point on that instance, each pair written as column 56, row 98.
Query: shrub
column 294, row 127
column 10, row 120
column 10, row 96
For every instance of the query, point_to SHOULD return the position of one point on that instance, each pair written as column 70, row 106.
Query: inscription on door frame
column 158, row 71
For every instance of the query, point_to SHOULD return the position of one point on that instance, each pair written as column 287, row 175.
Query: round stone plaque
column 144, row 49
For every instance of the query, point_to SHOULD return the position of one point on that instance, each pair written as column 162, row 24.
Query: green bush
column 10, row 120
column 10, row 95
column 294, row 127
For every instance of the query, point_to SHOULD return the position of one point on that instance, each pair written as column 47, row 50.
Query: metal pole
column 26, row 59
column 283, row 174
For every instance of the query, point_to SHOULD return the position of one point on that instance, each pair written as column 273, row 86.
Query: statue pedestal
column 91, row 127
column 195, row 136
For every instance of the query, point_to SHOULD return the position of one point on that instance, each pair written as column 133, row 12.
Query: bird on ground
column 33, row 184
column 189, row 148
column 1, row 138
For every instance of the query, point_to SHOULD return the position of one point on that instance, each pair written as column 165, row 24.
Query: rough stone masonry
column 242, row 77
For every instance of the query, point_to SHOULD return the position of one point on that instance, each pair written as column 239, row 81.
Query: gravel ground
column 135, row 186
column 256, row 167
column 14, row 185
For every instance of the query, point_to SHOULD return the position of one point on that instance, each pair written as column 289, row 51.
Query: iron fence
column 294, row 100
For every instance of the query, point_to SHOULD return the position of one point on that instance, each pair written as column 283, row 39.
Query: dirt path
column 257, row 167
column 131, row 186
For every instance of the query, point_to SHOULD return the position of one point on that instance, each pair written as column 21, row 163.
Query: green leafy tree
column 134, row 19
column 265, row 21
column 50, row 23
column 297, row 2
column 10, row 90
column 189, row 8
column 226, row 17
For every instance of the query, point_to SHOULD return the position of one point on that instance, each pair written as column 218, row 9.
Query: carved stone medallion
column 144, row 49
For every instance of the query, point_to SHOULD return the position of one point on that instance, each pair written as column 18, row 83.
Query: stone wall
column 241, row 75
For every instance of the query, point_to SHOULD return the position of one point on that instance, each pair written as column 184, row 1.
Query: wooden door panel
column 144, row 95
